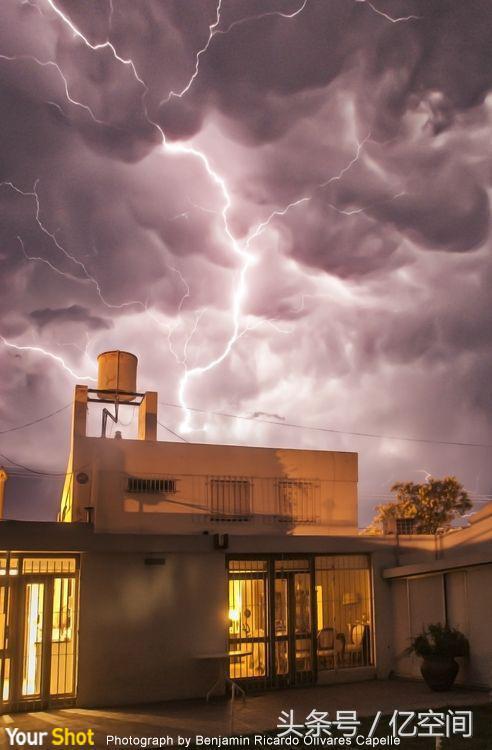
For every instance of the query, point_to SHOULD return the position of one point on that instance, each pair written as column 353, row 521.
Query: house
column 168, row 559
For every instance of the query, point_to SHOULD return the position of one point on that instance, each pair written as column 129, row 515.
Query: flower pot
column 439, row 672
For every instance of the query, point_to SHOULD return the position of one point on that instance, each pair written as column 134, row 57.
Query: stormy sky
column 281, row 207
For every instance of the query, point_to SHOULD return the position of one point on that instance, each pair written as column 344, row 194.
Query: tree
column 432, row 504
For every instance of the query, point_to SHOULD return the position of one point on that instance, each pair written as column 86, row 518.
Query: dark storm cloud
column 73, row 314
column 362, row 143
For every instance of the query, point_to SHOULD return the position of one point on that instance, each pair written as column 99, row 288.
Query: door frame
column 293, row 676
column 271, row 679
column 16, row 623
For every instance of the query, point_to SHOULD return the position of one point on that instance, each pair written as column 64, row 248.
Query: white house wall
column 107, row 464
column 463, row 599
column 141, row 626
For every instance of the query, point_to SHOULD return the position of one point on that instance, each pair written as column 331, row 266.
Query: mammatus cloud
column 289, row 202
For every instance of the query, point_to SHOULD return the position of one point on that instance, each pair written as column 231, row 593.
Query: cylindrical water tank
column 117, row 371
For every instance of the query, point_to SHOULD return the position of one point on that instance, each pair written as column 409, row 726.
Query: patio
column 259, row 713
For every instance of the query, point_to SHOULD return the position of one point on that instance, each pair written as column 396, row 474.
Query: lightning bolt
column 167, row 327
column 52, row 64
column 214, row 31
column 211, row 32
column 50, row 355
column 179, row 149
column 364, row 209
column 47, row 262
column 88, row 277
column 95, row 47
column 392, row 19
column 305, row 199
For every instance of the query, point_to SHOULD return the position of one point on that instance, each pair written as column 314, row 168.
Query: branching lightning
column 95, row 47
column 240, row 249
column 260, row 228
column 364, row 209
column 45, row 353
column 52, row 64
column 214, row 30
column 389, row 18
column 88, row 277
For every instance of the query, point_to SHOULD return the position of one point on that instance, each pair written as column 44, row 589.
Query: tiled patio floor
column 257, row 714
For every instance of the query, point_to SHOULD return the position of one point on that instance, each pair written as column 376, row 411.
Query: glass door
column 47, row 642
column 293, row 629
column 33, row 640
column 302, row 635
column 248, row 620
column 5, row 644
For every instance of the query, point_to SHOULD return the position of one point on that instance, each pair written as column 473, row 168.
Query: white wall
column 463, row 599
column 108, row 464
column 141, row 626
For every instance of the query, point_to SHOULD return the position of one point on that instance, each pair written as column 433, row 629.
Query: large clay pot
column 439, row 672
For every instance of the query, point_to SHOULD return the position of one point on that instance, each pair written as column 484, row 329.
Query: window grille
column 297, row 501
column 230, row 497
column 49, row 565
column 405, row 525
column 151, row 486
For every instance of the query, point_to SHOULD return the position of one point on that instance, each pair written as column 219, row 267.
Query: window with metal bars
column 151, row 486
column 230, row 497
column 405, row 525
column 297, row 501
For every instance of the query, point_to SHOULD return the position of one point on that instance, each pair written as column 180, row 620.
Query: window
column 49, row 565
column 405, row 525
column 344, row 611
column 297, row 501
column 151, row 486
column 230, row 497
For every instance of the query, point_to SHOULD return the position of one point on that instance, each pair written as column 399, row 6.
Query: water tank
column 117, row 371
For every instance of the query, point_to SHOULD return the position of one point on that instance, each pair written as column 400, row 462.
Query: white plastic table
column 222, row 658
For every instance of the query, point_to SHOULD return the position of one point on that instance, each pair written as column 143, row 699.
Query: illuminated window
column 248, row 620
column 344, row 611
column 229, row 498
column 9, row 566
column 48, row 565
column 62, row 678
column 33, row 639
column 4, row 643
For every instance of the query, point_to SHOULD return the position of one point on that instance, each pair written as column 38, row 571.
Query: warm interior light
column 234, row 615
column 33, row 637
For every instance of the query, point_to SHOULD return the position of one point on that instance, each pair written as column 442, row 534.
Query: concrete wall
column 142, row 626
column 108, row 463
column 463, row 599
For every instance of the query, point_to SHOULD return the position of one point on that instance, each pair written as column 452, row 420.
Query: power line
column 34, row 471
column 35, row 421
column 329, row 429
column 173, row 433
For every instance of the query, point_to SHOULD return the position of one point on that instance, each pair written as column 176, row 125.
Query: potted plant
column 438, row 645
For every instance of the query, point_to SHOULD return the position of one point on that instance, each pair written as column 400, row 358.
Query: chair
column 358, row 649
column 331, row 648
